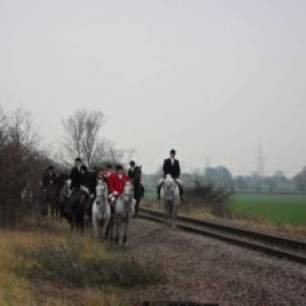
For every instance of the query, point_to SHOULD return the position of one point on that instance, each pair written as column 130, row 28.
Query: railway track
column 281, row 247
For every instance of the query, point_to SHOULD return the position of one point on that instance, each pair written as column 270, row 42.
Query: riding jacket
column 88, row 179
column 48, row 179
column 131, row 173
column 172, row 167
column 117, row 182
column 75, row 176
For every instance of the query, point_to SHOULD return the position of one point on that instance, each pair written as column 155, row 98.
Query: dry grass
column 17, row 289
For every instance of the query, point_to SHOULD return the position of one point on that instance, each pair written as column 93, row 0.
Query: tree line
column 221, row 178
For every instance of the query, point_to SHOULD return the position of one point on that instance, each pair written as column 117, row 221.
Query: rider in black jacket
column 49, row 178
column 75, row 174
column 171, row 166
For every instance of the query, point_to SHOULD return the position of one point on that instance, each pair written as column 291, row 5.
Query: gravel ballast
column 200, row 269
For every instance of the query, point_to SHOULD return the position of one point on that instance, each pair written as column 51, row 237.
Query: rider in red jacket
column 116, row 182
column 106, row 173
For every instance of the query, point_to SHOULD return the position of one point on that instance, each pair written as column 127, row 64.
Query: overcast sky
column 211, row 78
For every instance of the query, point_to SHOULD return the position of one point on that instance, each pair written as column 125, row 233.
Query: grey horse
column 101, row 211
column 124, row 210
column 170, row 197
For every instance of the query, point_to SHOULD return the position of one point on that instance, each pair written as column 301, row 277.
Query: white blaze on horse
column 170, row 197
column 101, row 211
column 124, row 209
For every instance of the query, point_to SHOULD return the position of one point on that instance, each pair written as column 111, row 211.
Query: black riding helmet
column 119, row 167
column 83, row 168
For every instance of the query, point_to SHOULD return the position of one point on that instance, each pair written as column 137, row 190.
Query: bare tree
column 82, row 134
column 21, row 130
column 3, row 126
column 113, row 154
column 93, row 124
column 20, row 164
column 130, row 153
column 74, row 131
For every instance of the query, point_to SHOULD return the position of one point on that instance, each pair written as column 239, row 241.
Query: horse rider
column 116, row 182
column 172, row 167
column 85, row 180
column 135, row 175
column 49, row 178
column 88, row 179
column 131, row 170
column 105, row 174
column 88, row 183
column 75, row 175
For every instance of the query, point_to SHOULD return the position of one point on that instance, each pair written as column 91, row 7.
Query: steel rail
column 278, row 246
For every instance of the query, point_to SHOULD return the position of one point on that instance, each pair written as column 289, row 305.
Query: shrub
column 65, row 264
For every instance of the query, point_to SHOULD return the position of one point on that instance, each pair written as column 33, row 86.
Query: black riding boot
column 158, row 191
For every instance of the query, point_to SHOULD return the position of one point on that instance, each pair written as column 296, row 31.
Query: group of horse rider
column 115, row 177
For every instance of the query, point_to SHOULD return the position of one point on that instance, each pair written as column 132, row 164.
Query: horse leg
column 165, row 212
column 105, row 227
column 137, row 207
column 47, row 208
column 72, row 224
column 52, row 204
column 169, row 214
column 117, row 230
column 82, row 222
column 125, row 231
column 95, row 225
column 57, row 210
column 111, row 228
column 173, row 215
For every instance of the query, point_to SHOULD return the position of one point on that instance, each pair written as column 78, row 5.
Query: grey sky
column 210, row 78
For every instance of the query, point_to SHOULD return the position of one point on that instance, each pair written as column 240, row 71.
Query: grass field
column 290, row 209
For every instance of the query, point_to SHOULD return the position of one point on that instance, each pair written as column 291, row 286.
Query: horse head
column 128, row 192
column 67, row 188
column 102, row 192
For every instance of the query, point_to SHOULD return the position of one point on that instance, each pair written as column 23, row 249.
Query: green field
column 289, row 209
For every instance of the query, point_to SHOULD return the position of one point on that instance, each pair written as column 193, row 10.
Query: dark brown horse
column 74, row 210
column 138, row 187
column 50, row 197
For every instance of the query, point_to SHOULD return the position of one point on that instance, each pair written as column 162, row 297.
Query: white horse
column 170, row 197
column 101, row 211
column 123, row 211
